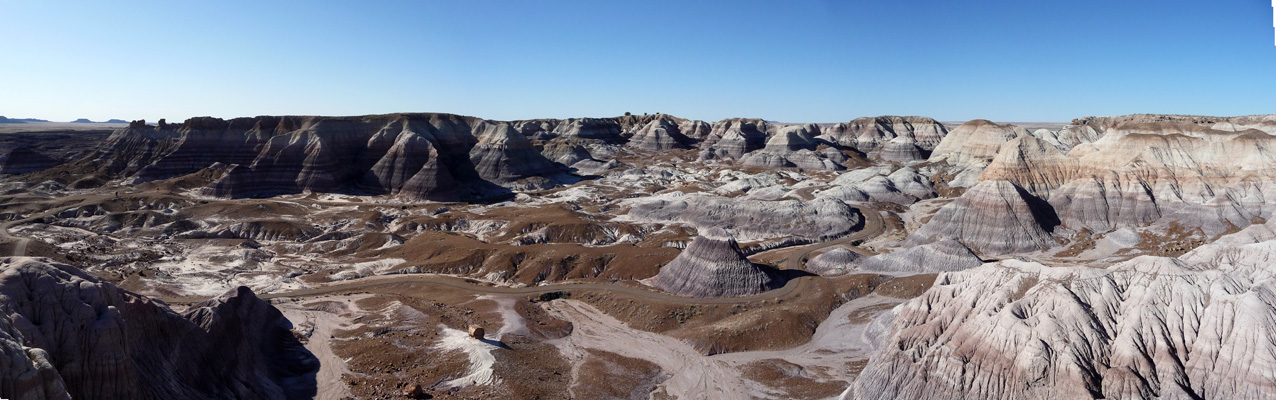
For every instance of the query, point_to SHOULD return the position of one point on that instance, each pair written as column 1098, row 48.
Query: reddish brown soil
column 793, row 379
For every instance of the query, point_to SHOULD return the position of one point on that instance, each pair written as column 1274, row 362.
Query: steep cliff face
column 68, row 335
column 424, row 156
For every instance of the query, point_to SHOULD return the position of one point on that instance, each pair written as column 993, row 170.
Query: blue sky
column 795, row 61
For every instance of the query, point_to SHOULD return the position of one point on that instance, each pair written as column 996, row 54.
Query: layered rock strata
column 901, row 149
column 1196, row 327
column 659, row 135
column 1145, row 169
column 67, row 335
column 795, row 146
column 424, row 156
column 941, row 256
column 834, row 262
column 713, row 266
column 993, row 217
column 871, row 133
column 881, row 184
column 732, row 138
column 751, row 219
column 974, row 143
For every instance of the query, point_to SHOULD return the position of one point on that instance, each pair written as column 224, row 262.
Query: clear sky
column 792, row 61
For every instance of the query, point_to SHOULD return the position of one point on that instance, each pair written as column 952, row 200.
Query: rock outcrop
column 1141, row 170
column 732, row 138
column 880, row 184
column 974, row 142
column 504, row 156
column 795, row 146
column 589, row 128
column 944, row 255
column 67, row 335
column 695, row 129
column 421, row 156
column 834, row 262
column 1197, row 327
column 901, row 149
column 871, row 133
column 713, row 266
column 751, row 219
column 659, row 135
column 24, row 160
column 1031, row 163
column 993, row 217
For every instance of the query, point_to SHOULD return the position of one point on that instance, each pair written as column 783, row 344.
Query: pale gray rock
column 1104, row 204
column 872, row 133
column 750, row 219
column 1126, row 237
column 589, row 128
column 974, row 143
column 713, row 266
column 901, row 149
column 795, row 146
column 659, row 135
column 695, row 129
column 903, row 186
column 941, row 256
column 1199, row 327
column 834, row 262
column 732, row 138
column 537, row 129
column 993, row 217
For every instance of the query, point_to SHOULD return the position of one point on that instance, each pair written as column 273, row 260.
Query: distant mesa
column 89, row 121
column 713, row 266
column 4, row 120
